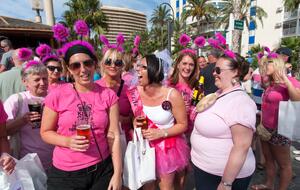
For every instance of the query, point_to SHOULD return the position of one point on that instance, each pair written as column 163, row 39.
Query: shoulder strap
column 120, row 88
column 20, row 105
column 170, row 90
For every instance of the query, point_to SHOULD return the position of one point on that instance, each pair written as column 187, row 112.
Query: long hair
column 193, row 77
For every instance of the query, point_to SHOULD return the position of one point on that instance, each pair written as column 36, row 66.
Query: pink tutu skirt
column 171, row 158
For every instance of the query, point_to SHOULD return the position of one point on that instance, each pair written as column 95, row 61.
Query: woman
column 129, row 74
column 6, row 161
column 26, row 122
column 277, row 149
column 221, row 139
column 165, row 111
column 54, row 68
column 112, row 66
column 81, row 160
column 184, row 79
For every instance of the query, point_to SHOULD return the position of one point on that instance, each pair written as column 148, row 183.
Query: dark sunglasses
column 218, row 70
column 118, row 62
column 76, row 65
column 53, row 68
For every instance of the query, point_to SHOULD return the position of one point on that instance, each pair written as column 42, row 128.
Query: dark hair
column 78, row 49
column 154, row 68
column 175, row 75
column 238, row 63
column 215, row 53
column 201, row 56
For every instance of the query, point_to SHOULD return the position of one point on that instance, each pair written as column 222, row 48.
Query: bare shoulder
column 174, row 95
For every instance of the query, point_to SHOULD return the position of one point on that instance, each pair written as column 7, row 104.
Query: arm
column 50, row 136
column 115, row 146
column 242, row 139
column 180, row 116
column 294, row 92
column 4, row 145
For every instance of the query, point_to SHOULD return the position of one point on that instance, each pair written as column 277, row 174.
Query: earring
column 234, row 81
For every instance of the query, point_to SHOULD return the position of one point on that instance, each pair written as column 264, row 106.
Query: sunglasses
column 53, row 68
column 76, row 65
column 118, row 62
column 218, row 70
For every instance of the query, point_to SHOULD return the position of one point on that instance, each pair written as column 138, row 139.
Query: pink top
column 3, row 115
column 31, row 141
column 130, row 78
column 66, row 103
column 270, row 102
column 211, row 138
column 55, row 85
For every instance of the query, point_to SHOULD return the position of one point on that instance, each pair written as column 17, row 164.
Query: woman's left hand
column 115, row 182
column 152, row 134
column 281, row 75
column 222, row 187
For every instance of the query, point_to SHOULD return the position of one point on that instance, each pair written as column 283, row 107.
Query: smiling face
column 186, row 67
column 82, row 67
column 201, row 61
column 112, row 63
column 223, row 74
column 142, row 72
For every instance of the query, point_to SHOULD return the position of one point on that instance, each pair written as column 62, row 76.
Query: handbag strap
column 120, row 88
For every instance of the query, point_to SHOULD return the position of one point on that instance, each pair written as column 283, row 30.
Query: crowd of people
column 71, row 107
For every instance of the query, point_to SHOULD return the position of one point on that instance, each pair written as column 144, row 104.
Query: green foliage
column 88, row 10
column 254, row 50
column 294, row 44
column 291, row 4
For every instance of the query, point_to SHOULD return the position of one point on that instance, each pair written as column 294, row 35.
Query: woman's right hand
column 8, row 163
column 137, row 123
column 78, row 143
column 31, row 116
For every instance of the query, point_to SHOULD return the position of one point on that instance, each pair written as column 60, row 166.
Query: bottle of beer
column 198, row 92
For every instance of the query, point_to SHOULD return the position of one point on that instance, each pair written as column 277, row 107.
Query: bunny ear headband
column 184, row 41
column 136, row 44
column 119, row 46
column 219, row 42
column 268, row 54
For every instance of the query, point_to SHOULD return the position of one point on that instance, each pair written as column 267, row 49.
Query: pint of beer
column 84, row 130
column 142, row 119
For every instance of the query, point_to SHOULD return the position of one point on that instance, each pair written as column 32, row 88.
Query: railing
column 289, row 31
column 290, row 15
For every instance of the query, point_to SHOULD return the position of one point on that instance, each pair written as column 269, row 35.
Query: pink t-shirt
column 3, row 115
column 211, row 138
column 31, row 141
column 270, row 102
column 53, row 86
column 66, row 103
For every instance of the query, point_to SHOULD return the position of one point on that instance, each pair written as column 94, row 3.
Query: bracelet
column 226, row 184
column 165, row 133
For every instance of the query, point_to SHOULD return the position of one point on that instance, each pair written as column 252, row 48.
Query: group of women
column 220, row 136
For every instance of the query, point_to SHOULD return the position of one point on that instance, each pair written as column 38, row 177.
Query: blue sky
column 22, row 8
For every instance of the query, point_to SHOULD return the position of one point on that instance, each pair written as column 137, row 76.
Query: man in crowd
column 286, row 54
column 10, row 81
column 207, row 72
column 6, row 61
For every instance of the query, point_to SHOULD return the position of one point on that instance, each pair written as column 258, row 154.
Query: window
column 289, row 27
column 252, row 11
column 252, row 25
column 177, row 14
column 177, row 3
column 251, row 39
column 184, row 2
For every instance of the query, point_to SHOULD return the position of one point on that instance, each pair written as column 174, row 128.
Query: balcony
column 289, row 31
column 291, row 15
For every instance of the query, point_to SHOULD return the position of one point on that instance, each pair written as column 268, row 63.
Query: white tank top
column 162, row 118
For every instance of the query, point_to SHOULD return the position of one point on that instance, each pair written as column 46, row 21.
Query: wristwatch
column 165, row 133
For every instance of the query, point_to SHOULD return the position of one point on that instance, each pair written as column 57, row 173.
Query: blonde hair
column 113, row 54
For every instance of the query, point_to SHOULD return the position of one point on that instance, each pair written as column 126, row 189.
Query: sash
column 137, row 108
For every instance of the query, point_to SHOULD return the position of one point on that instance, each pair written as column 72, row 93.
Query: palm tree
column 179, row 27
column 88, row 10
column 202, row 10
column 291, row 5
column 240, row 10
column 159, row 20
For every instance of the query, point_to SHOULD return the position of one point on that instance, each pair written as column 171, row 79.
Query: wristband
column 225, row 184
column 165, row 133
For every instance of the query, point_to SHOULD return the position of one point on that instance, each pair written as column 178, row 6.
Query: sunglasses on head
column 76, row 65
column 118, row 62
column 53, row 68
column 218, row 70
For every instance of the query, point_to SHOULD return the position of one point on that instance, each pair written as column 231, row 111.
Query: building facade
column 123, row 20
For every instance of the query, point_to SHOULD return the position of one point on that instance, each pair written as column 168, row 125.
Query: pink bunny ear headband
column 25, row 54
column 184, row 40
column 219, row 42
column 136, row 44
column 119, row 46
column 268, row 53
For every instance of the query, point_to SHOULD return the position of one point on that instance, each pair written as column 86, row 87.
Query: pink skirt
column 171, row 159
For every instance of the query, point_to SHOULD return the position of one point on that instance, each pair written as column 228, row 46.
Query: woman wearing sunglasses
column 112, row 67
column 54, row 68
column 221, row 139
column 167, row 121
column 81, row 120
column 277, row 148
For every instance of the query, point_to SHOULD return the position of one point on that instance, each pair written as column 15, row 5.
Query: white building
column 277, row 25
